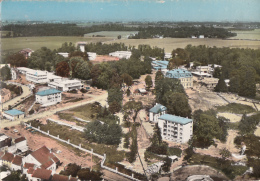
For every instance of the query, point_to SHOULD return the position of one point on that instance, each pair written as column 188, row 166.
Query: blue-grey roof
column 178, row 73
column 14, row 112
column 175, row 119
column 160, row 64
column 158, row 108
column 48, row 92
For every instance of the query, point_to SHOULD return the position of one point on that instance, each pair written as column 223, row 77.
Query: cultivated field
column 247, row 35
column 51, row 42
column 172, row 43
column 112, row 34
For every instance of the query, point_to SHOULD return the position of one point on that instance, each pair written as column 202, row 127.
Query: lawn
column 249, row 35
column 236, row 108
column 172, row 43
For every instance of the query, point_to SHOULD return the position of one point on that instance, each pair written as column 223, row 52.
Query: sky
column 131, row 10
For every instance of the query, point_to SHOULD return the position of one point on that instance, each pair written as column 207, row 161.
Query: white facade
column 167, row 55
column 121, row 54
column 156, row 111
column 37, row 76
column 48, row 97
column 66, row 84
column 64, row 54
column 176, row 129
column 12, row 117
column 92, row 55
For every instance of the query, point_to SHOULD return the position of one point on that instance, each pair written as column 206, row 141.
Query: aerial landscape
column 122, row 90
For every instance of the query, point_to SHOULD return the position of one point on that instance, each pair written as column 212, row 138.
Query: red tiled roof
column 30, row 170
column 44, row 156
column 28, row 165
column 42, row 173
column 8, row 157
column 57, row 177
column 17, row 140
column 1, row 154
column 17, row 160
column 73, row 179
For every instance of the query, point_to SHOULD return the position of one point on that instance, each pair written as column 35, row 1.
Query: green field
column 51, row 42
column 3, row 33
column 172, row 43
column 247, row 35
column 113, row 34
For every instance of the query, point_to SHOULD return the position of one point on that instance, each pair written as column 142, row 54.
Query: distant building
column 48, row 97
column 175, row 128
column 121, row 54
column 37, row 76
column 210, row 83
column 5, row 142
column 27, row 52
column 204, row 69
column 5, row 95
column 201, row 36
column 13, row 114
column 81, row 46
column 160, row 65
column 92, row 55
column 64, row 54
column 65, row 84
column 156, row 111
column 168, row 55
column 184, row 76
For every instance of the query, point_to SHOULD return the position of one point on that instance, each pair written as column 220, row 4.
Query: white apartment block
column 65, row 84
column 48, row 97
column 121, row 54
column 175, row 128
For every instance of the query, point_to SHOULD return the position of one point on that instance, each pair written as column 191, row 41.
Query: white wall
column 30, row 159
column 53, row 98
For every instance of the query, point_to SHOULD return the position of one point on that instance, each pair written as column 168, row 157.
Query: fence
column 83, row 149
column 78, row 128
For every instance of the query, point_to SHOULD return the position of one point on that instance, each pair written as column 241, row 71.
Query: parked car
column 6, row 128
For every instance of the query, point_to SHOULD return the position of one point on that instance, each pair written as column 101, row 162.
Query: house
column 5, row 142
column 5, row 95
column 204, row 69
column 7, row 159
column 27, row 166
column 29, row 173
column 16, row 163
column 175, row 128
column 41, row 174
column 156, row 111
column 167, row 55
column 65, row 84
column 92, row 55
column 121, row 54
column 48, row 97
column 18, row 145
column 27, row 52
column 185, row 77
column 43, row 158
column 81, row 45
column 13, row 114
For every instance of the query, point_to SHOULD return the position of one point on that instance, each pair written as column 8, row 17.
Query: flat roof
column 175, row 119
column 47, row 92
column 14, row 112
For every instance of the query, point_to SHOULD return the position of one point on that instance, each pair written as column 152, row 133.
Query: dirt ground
column 66, row 155
column 232, row 117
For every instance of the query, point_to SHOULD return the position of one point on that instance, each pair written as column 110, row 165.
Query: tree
column 63, row 69
column 119, row 37
column 221, row 86
column 114, row 99
column 167, row 164
column 217, row 72
column 72, row 169
column 175, row 62
column 82, row 70
column 114, row 107
column 84, row 55
column 6, row 73
column 17, row 60
column 127, row 79
column 247, row 82
column 132, row 108
column 73, row 62
column 148, row 81
column 86, row 174
column 67, row 47
column 159, row 75
column 234, row 84
column 95, row 73
column 225, row 153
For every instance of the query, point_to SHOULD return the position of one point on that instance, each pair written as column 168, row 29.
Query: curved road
column 100, row 98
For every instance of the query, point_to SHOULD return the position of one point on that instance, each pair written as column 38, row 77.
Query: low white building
column 13, row 114
column 156, row 111
column 65, row 84
column 64, row 54
column 92, row 55
column 18, row 145
column 37, row 76
column 48, row 97
column 168, row 55
column 175, row 128
column 121, row 54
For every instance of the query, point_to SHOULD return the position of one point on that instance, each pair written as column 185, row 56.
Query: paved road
column 26, row 92
column 99, row 98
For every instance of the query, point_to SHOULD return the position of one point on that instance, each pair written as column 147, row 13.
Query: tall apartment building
column 175, row 128
column 184, row 76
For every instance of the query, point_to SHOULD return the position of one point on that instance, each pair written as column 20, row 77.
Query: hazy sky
column 132, row 10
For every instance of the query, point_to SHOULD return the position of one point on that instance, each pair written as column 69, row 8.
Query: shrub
column 31, row 111
column 83, row 90
column 73, row 91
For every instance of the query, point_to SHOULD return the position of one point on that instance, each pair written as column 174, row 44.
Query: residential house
column 5, row 142
column 18, row 145
column 185, row 77
column 121, row 54
column 41, row 174
column 48, row 97
column 7, row 159
column 175, row 128
column 13, row 114
column 156, row 111
column 17, row 163
column 66, row 84
column 27, row 52
column 5, row 95
column 28, row 166
column 43, row 158
column 57, row 177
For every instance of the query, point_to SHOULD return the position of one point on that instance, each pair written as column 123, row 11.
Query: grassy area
column 252, row 34
column 172, row 43
column 219, row 164
column 236, row 108
column 70, row 117
column 174, row 151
